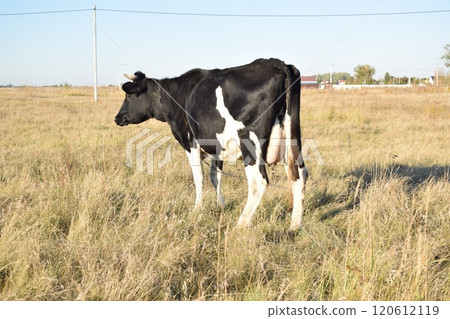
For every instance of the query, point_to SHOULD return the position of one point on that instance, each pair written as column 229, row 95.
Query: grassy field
column 77, row 223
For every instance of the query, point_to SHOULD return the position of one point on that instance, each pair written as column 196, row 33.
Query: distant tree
column 388, row 79
column 320, row 78
column 342, row 76
column 65, row 84
column 446, row 56
column 363, row 74
column 336, row 77
column 417, row 81
column 403, row 80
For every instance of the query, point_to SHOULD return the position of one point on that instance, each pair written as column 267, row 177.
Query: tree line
column 364, row 75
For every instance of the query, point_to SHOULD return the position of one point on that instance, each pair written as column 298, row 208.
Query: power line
column 42, row 12
column 232, row 14
column 273, row 15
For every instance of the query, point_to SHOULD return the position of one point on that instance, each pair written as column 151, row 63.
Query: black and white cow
column 250, row 111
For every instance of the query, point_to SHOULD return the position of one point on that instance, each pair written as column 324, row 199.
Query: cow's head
column 141, row 97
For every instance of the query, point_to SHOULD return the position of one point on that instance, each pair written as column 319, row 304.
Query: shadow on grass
column 361, row 178
column 281, row 235
column 414, row 174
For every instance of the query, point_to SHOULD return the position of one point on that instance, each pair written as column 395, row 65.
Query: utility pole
column 95, row 54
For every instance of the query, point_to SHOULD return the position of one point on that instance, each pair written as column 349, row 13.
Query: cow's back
column 250, row 93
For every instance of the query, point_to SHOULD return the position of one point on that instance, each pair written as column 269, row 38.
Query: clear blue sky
column 55, row 48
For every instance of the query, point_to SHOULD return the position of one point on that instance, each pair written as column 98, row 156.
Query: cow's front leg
column 215, row 175
column 197, row 171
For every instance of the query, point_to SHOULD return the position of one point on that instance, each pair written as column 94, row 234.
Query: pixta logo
column 310, row 152
column 143, row 147
column 146, row 145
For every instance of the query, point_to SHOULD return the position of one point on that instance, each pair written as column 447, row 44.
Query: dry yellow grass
column 76, row 223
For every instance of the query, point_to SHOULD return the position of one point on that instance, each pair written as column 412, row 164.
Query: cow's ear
column 139, row 76
column 134, row 87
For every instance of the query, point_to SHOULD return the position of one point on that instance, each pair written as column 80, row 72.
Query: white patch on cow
column 298, row 190
column 256, row 185
column 215, row 175
column 197, row 171
column 277, row 143
column 229, row 138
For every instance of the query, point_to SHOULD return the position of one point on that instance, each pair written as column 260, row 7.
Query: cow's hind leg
column 257, row 184
column 195, row 161
column 297, row 172
column 298, row 191
column 215, row 175
column 297, row 177
column 255, row 171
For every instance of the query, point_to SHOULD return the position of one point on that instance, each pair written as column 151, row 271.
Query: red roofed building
column 309, row 82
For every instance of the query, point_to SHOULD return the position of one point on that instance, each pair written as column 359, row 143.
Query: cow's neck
column 173, row 93
column 175, row 90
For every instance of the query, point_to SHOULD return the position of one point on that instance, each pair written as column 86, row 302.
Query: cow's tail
column 295, row 166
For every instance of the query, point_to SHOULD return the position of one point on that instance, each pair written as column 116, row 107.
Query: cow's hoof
column 294, row 229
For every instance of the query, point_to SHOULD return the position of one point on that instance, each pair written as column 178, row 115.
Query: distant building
column 309, row 82
column 431, row 79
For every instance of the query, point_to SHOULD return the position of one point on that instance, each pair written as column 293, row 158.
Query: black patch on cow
column 248, row 148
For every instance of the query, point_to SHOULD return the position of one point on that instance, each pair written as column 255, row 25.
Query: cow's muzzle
column 122, row 121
